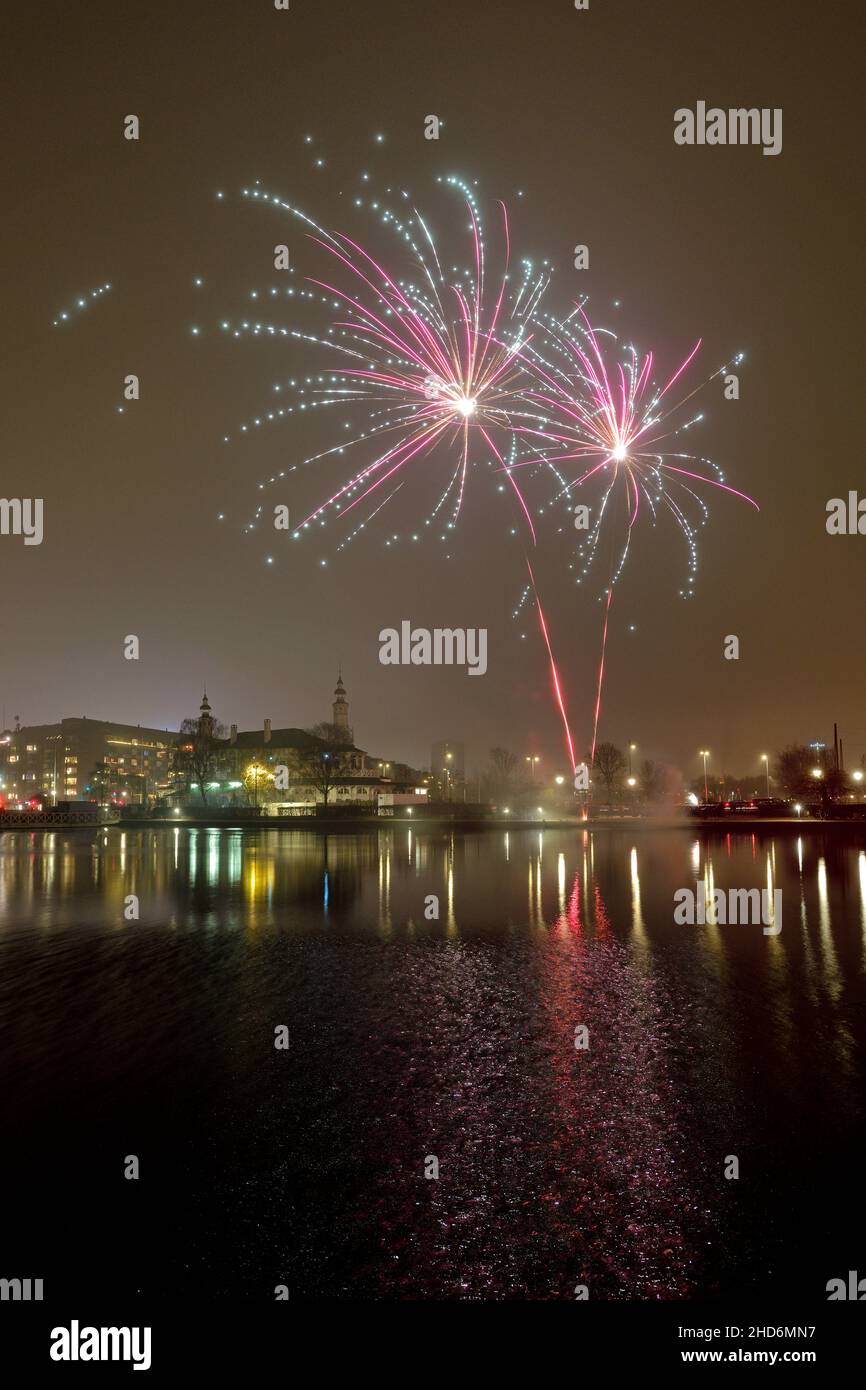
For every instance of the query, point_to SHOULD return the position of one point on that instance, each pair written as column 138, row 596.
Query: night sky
column 576, row 110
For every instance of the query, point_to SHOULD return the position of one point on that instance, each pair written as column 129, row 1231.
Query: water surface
column 413, row 1037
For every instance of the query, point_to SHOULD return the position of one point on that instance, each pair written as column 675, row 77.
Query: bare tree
column 796, row 768
column 197, row 752
column 499, row 779
column 321, row 765
column 611, row 764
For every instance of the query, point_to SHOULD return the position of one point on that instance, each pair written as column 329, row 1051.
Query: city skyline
column 470, row 767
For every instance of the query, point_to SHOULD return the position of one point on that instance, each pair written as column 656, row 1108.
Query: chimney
column 233, row 734
column 267, row 731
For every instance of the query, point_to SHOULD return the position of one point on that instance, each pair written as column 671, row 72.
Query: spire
column 205, row 718
column 341, row 704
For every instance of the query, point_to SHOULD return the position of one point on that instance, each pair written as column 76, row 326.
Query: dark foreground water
column 414, row 1038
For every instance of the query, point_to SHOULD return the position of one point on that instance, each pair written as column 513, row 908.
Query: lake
column 420, row 1042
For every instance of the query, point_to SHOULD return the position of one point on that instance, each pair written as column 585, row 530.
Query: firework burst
column 434, row 362
column 623, row 432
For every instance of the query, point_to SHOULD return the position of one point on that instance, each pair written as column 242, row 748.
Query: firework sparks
column 81, row 303
column 444, row 372
column 618, row 425
column 432, row 360
column 625, row 432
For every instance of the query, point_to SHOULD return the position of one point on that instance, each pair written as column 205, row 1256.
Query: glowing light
column 83, row 301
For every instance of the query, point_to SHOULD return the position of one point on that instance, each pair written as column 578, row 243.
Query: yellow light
column 816, row 772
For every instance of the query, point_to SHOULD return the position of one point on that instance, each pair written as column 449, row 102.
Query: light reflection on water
column 454, row 1035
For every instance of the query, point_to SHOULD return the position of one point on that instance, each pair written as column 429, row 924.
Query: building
column 324, row 763
column 85, row 760
column 94, row 760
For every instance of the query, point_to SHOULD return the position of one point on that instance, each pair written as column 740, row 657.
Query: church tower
column 341, row 707
column 206, row 723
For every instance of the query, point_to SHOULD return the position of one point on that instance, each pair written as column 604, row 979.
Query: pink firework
column 430, row 361
column 625, row 433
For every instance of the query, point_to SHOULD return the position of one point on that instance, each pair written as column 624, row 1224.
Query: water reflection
column 454, row 1032
column 252, row 878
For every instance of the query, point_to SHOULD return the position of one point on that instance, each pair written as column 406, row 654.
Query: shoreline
column 322, row 824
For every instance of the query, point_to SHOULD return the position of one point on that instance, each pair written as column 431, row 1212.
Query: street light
column 632, row 781
column 766, row 761
column 817, row 772
column 532, row 762
column 705, row 753
column 631, row 749
column 559, row 781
